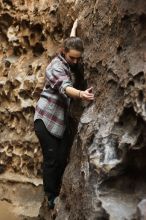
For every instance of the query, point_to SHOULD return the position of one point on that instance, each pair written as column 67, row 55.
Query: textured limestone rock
column 107, row 160
column 105, row 178
column 29, row 36
column 27, row 43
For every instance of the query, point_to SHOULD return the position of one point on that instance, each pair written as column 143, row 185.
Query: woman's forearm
column 72, row 92
column 75, row 93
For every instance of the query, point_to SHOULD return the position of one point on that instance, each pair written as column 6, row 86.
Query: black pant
column 55, row 154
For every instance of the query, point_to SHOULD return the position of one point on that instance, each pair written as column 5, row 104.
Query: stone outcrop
column 105, row 178
column 107, row 160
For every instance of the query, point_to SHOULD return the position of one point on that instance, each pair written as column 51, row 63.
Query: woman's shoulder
column 55, row 63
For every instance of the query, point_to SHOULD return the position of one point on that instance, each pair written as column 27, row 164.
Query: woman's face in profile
column 73, row 57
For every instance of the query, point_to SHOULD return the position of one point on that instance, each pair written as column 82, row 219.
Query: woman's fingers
column 90, row 89
column 88, row 96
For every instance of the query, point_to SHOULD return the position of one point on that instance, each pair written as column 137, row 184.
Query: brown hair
column 74, row 43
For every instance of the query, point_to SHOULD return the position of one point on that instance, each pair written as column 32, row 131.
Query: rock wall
column 30, row 34
column 105, row 178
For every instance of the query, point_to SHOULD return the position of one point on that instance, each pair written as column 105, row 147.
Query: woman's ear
column 62, row 50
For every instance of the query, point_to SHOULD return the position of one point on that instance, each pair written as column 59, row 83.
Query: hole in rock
column 139, row 77
column 7, row 64
column 38, row 68
column 25, row 94
column 2, row 168
column 136, row 163
column 26, row 40
column 3, row 37
column 112, row 82
column 126, row 117
column 119, row 49
column 130, row 83
column 57, row 33
column 38, row 49
column 9, row 2
column 37, row 28
column 142, row 20
column 32, row 36
column 43, row 38
column 6, row 20
column 17, row 50
column 141, row 96
column 25, row 24
column 29, row 109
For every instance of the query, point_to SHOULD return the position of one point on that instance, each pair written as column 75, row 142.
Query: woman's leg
column 50, row 145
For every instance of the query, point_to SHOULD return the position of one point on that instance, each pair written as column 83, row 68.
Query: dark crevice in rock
column 142, row 20
column 119, row 49
column 37, row 28
column 26, row 40
column 38, row 49
column 25, row 23
column 139, row 78
column 18, row 51
column 141, row 96
column 6, row 20
column 9, row 2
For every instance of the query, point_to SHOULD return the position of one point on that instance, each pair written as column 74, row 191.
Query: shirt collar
column 61, row 57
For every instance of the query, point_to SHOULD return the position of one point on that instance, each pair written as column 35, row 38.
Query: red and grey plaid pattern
column 53, row 103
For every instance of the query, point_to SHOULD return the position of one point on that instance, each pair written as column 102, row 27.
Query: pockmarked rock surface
column 105, row 178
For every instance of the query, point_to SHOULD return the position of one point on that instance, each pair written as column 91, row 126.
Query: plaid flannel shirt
column 53, row 104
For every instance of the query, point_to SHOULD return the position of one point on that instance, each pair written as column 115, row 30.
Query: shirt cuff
column 63, row 87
